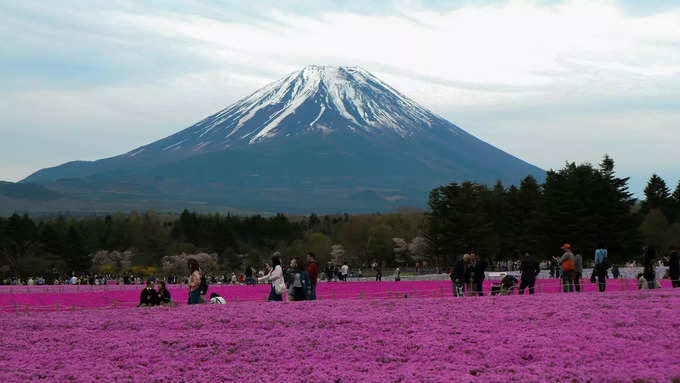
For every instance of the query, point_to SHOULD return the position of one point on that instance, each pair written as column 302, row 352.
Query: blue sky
column 548, row 81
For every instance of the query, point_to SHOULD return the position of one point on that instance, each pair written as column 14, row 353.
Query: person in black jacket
column 674, row 267
column 530, row 269
column 149, row 297
column 163, row 295
column 461, row 275
column 479, row 268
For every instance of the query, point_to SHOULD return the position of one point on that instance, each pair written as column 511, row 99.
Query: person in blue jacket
column 300, row 285
column 601, row 267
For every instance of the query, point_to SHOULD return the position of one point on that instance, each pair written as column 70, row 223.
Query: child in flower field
column 164, row 298
column 148, row 297
column 194, row 282
column 643, row 284
column 216, row 299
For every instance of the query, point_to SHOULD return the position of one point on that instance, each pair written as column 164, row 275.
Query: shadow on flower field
column 623, row 336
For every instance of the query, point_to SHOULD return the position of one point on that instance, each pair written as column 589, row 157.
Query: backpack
column 568, row 265
column 203, row 287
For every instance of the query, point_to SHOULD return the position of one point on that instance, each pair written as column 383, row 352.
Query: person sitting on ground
column 164, row 298
column 216, row 299
column 148, row 297
column 643, row 284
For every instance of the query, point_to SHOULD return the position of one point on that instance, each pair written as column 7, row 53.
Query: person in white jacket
column 274, row 277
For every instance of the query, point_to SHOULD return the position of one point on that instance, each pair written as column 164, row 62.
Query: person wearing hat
column 568, row 266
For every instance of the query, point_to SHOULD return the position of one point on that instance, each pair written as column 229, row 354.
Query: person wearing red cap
column 567, row 263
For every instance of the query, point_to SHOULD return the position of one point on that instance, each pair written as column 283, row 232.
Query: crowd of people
column 468, row 274
column 298, row 280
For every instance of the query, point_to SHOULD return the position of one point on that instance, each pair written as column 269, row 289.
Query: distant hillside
column 28, row 191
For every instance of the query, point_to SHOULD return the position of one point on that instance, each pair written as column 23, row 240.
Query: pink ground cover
column 619, row 336
column 51, row 298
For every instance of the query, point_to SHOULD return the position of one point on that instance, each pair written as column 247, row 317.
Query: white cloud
column 523, row 76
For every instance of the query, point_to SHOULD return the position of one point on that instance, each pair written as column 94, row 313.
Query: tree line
column 583, row 205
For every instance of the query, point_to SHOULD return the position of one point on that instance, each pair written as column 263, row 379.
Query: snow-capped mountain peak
column 315, row 99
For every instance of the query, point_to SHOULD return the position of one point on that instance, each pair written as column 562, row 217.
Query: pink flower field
column 52, row 298
column 618, row 336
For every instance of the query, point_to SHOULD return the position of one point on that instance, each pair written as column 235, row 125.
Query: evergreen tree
column 459, row 222
column 657, row 196
column 675, row 201
column 77, row 259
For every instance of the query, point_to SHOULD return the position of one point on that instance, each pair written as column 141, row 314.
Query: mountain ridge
column 337, row 129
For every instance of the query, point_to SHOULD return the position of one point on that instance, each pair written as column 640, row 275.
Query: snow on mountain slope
column 320, row 138
column 321, row 99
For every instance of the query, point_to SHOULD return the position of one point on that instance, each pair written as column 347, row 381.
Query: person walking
column 194, row 282
column 275, row 278
column 345, row 272
column 378, row 273
column 674, row 267
column 479, row 274
column 601, row 267
column 578, row 270
column 567, row 264
column 397, row 274
column 530, row 270
column 313, row 271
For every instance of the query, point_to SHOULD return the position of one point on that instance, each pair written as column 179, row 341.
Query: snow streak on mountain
column 323, row 139
column 321, row 99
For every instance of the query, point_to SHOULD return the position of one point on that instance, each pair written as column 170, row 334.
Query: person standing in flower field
column 275, row 278
column 194, row 282
column 578, row 269
column 313, row 271
column 567, row 264
column 345, row 272
column 601, row 267
column 461, row 276
column 649, row 271
column 529, row 269
column 479, row 273
column 458, row 277
column 674, row 267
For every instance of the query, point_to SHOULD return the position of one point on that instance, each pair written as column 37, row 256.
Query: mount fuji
column 322, row 139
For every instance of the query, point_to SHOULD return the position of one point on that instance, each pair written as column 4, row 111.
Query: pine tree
column 657, row 196
column 77, row 258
